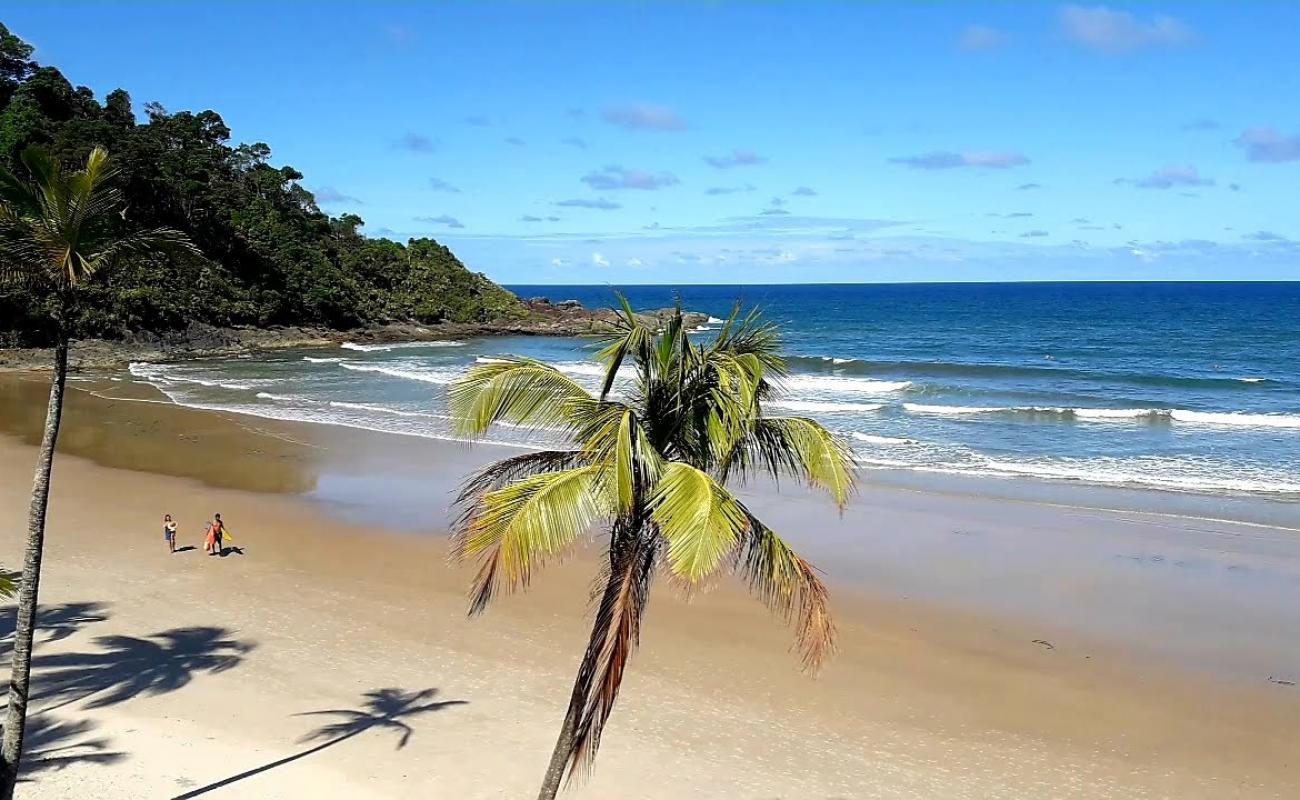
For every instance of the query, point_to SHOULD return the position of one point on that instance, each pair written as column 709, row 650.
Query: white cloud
column 634, row 262
column 1170, row 177
column 1266, row 145
column 736, row 158
column 558, row 262
column 1107, row 31
column 946, row 159
column 616, row 177
column 644, row 117
column 599, row 260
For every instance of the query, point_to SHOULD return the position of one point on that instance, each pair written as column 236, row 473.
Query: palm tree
column 57, row 230
column 650, row 463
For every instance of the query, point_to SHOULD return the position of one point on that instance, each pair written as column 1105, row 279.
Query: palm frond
column 790, row 587
column 509, row 470
column 516, row 528
column 701, row 521
column 520, row 391
column 635, row 341
column 800, row 447
column 615, row 636
column 153, row 240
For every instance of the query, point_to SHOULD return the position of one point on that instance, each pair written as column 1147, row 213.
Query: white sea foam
column 281, row 398
column 1253, row 380
column 918, row 408
column 1237, row 419
column 1154, row 473
column 873, row 439
column 397, row 412
column 490, row 360
column 311, row 360
column 380, row 348
column 831, row 383
column 825, row 406
column 439, row 376
column 1087, row 414
column 1116, row 413
column 159, row 373
column 715, row 321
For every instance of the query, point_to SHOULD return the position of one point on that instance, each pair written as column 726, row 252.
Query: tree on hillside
column 58, row 229
column 650, row 463
column 274, row 257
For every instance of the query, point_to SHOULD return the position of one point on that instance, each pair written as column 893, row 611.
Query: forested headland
column 270, row 256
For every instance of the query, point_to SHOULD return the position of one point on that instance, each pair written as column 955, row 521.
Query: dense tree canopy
column 270, row 255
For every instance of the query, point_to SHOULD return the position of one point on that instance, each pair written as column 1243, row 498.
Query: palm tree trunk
column 11, row 747
column 626, row 556
column 563, row 745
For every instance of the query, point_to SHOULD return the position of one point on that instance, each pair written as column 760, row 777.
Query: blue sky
column 773, row 142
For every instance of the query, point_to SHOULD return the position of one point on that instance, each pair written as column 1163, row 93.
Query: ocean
column 1182, row 387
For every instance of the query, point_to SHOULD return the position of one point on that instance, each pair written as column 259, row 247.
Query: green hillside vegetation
column 270, row 255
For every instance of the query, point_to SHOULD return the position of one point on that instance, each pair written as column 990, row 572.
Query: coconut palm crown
column 649, row 460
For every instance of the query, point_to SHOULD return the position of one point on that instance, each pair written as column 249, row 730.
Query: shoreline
column 539, row 317
column 934, row 691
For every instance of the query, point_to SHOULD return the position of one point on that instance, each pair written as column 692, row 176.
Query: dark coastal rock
column 197, row 340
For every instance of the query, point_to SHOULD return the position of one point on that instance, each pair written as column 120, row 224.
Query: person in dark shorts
column 216, row 532
column 169, row 532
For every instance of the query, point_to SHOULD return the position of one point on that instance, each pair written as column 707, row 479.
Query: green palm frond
column 789, row 586
column 520, row 391
column 635, row 341
column 800, row 447
column 516, row 528
column 700, row 520
column 60, row 227
column 509, row 470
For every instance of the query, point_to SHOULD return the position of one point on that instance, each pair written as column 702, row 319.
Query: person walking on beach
column 216, row 531
column 169, row 532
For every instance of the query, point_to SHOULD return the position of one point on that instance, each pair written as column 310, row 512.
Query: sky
column 751, row 143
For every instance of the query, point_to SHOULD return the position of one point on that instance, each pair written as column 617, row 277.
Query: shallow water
column 1180, row 387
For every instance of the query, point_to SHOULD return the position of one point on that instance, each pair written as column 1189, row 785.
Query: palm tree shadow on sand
column 51, row 745
column 54, row 622
column 129, row 666
column 383, row 709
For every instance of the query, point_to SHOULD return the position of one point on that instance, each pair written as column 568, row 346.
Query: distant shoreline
column 199, row 341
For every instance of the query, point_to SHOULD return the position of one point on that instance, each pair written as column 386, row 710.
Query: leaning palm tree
column 649, row 459
column 57, row 230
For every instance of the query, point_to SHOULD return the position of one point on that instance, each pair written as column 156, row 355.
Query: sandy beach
column 988, row 648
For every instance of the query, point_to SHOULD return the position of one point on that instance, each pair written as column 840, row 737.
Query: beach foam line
column 397, row 412
column 1223, row 419
column 438, row 377
column 380, row 348
column 155, row 372
column 830, row 383
column 1236, row 419
column 1117, row 473
column 826, row 406
column 871, row 438
column 311, row 360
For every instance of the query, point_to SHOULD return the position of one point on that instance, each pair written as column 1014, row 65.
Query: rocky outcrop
column 544, row 318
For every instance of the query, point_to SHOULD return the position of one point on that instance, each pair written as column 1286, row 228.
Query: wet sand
column 1156, row 637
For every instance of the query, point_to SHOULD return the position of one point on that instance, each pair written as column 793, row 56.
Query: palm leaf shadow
column 51, row 745
column 129, row 666
column 384, row 709
column 55, row 622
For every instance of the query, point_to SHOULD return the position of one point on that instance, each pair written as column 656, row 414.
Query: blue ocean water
column 1191, row 387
